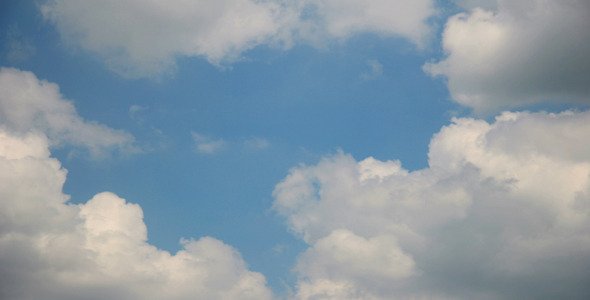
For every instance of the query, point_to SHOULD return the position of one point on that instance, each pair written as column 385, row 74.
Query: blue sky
column 326, row 148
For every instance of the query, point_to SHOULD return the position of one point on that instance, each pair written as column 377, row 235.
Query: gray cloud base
column 524, row 52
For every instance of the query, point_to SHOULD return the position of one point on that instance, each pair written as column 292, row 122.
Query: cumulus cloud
column 502, row 212
column 52, row 249
column 29, row 104
column 521, row 52
column 342, row 19
column 143, row 38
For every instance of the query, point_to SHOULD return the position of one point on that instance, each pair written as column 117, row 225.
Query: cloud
column 525, row 52
column 135, row 113
column 257, row 143
column 51, row 249
column 142, row 39
column 482, row 4
column 502, row 212
column 27, row 103
column 207, row 145
column 375, row 72
column 342, row 19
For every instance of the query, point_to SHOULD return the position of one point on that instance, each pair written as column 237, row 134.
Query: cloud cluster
column 143, row 38
column 502, row 212
column 517, row 53
column 52, row 249
column 29, row 104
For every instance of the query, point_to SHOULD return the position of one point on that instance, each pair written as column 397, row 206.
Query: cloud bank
column 144, row 38
column 52, row 249
column 518, row 53
column 502, row 212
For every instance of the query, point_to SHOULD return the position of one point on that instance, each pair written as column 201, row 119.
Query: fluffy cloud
column 341, row 19
column 502, row 212
column 522, row 52
column 27, row 103
column 52, row 249
column 142, row 38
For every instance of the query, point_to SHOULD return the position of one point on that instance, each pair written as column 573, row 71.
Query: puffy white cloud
column 523, row 52
column 502, row 212
column 341, row 19
column 51, row 249
column 27, row 103
column 143, row 38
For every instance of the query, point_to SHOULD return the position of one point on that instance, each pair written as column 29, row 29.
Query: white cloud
column 526, row 51
column 342, row 19
column 51, row 249
column 143, row 38
column 207, row 145
column 502, row 212
column 27, row 103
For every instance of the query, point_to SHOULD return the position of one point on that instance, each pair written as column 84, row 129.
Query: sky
column 294, row 149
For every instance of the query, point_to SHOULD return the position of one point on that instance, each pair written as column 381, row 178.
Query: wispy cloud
column 257, row 143
column 375, row 71
column 135, row 113
column 19, row 48
column 27, row 103
column 207, row 145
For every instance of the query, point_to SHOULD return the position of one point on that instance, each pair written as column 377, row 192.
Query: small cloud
column 257, row 143
column 279, row 249
column 134, row 113
column 207, row 145
column 376, row 70
column 19, row 48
